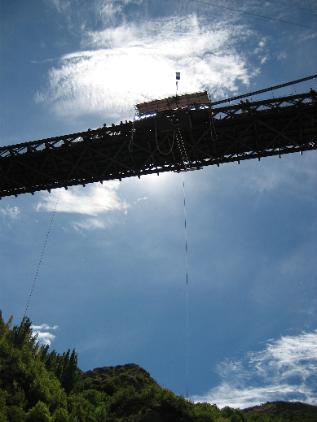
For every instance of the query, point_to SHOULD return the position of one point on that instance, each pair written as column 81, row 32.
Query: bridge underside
column 170, row 141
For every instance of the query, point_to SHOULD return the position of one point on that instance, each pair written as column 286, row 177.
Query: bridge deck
column 170, row 141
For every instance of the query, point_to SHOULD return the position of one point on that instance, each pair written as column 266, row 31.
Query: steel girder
column 186, row 139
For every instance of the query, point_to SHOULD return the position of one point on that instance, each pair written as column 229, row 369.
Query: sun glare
column 158, row 182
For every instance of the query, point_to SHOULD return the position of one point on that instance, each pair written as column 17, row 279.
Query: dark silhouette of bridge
column 178, row 140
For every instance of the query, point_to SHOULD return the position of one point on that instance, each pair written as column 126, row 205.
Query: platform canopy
column 172, row 103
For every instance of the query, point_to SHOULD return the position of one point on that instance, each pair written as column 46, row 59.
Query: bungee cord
column 187, row 314
column 184, row 156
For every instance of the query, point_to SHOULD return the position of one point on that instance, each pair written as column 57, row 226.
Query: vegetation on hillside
column 39, row 385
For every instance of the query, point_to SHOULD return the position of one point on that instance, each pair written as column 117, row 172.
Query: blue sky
column 112, row 281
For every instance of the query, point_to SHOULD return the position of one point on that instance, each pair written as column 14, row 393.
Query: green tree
column 101, row 413
column 39, row 413
column 3, row 417
column 16, row 414
column 3, row 409
column 5, row 326
column 80, row 409
column 61, row 415
column 69, row 374
column 23, row 335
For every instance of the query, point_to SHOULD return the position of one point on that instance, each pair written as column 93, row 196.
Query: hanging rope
column 184, row 156
column 41, row 258
column 171, row 145
column 177, row 135
column 187, row 328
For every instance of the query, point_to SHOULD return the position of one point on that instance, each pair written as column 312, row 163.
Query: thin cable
column 256, row 15
column 40, row 261
column 295, row 6
column 183, row 152
column 187, row 315
column 261, row 91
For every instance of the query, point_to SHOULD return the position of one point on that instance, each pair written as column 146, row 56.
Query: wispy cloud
column 94, row 203
column 133, row 62
column 43, row 333
column 62, row 6
column 285, row 370
column 295, row 174
column 91, row 224
column 10, row 212
column 297, row 177
column 110, row 10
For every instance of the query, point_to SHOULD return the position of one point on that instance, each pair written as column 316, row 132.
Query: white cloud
column 10, row 212
column 90, row 224
column 282, row 55
column 243, row 397
column 44, row 327
column 284, row 370
column 141, row 199
column 44, row 336
column 133, row 62
column 94, row 202
column 309, row 36
column 298, row 175
column 295, row 174
column 287, row 357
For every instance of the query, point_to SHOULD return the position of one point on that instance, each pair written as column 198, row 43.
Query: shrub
column 61, row 415
column 39, row 413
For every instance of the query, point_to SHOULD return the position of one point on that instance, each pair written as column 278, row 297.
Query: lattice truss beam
column 169, row 141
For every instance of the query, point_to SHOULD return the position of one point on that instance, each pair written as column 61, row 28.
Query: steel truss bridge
column 179, row 140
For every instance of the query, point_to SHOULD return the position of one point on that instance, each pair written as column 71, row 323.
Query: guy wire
column 41, row 258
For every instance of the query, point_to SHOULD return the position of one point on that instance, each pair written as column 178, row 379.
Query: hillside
column 285, row 411
column 39, row 385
